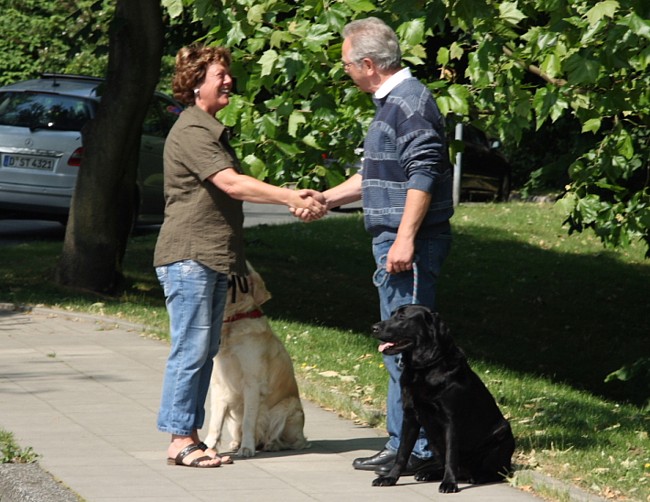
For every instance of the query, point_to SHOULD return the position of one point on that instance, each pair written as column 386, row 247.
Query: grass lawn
column 543, row 318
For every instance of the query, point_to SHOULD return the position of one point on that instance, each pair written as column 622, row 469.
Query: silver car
column 41, row 148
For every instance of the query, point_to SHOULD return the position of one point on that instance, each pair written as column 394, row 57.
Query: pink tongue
column 384, row 346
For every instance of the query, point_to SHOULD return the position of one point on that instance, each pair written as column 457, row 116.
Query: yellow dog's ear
column 258, row 289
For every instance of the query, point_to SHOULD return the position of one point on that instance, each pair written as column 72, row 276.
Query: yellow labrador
column 253, row 388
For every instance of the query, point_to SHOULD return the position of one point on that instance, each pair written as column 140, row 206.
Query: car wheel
column 504, row 189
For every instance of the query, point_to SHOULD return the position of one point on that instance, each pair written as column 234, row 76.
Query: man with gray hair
column 406, row 187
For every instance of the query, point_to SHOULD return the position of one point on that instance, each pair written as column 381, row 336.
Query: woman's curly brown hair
column 192, row 63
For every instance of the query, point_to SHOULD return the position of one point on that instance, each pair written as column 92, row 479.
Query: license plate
column 28, row 162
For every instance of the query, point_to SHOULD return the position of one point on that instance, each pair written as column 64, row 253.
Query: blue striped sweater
column 405, row 148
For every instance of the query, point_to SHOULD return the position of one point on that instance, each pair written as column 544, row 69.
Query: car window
column 161, row 115
column 44, row 111
column 475, row 136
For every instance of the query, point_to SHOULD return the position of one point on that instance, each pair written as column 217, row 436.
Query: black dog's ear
column 441, row 332
column 400, row 309
column 430, row 318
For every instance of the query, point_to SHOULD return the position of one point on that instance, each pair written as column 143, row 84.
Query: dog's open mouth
column 391, row 348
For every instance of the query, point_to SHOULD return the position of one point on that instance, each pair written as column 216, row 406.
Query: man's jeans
column 396, row 290
column 195, row 296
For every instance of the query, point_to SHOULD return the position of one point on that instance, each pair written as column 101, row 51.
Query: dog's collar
column 253, row 314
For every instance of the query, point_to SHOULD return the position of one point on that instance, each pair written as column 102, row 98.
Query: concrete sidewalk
column 83, row 392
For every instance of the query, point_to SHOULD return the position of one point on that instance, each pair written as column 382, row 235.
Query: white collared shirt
column 392, row 82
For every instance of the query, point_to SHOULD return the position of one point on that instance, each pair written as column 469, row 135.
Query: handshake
column 308, row 205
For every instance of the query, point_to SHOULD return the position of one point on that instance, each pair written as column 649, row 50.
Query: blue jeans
column 195, row 297
column 396, row 290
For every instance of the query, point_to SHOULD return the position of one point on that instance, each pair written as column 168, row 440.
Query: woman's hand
column 309, row 205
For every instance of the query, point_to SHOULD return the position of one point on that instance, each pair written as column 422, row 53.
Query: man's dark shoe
column 384, row 457
column 414, row 466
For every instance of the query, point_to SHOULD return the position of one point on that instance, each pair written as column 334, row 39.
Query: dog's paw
column 384, row 481
column 426, row 476
column 270, row 446
column 246, row 452
column 211, row 440
column 448, row 487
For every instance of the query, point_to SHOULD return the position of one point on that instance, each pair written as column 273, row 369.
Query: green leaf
column 567, row 204
column 318, row 37
column 411, row 32
column 268, row 125
column 454, row 101
column 310, row 140
column 582, row 70
column 639, row 368
column 235, row 35
column 591, row 125
column 295, row 119
column 552, row 65
column 256, row 166
column 278, row 37
column 638, row 25
column 174, row 7
column 267, row 61
column 509, row 12
column 361, row 5
column 418, row 51
column 624, row 144
column 288, row 149
column 460, row 96
column 600, row 10
column 255, row 13
column 443, row 56
column 456, row 51
column 231, row 113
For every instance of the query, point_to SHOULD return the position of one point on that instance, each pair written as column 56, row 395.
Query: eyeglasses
column 347, row 65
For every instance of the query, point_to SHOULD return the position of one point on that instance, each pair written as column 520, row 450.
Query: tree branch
column 535, row 70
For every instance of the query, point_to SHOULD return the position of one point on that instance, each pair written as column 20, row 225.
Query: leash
column 235, row 282
column 415, row 283
column 380, row 277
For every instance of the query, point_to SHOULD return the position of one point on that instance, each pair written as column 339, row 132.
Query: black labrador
column 440, row 392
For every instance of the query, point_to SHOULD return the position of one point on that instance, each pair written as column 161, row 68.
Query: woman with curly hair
column 201, row 242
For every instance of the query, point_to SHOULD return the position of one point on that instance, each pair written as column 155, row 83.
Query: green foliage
column 53, row 36
column 289, row 85
column 11, row 453
column 509, row 67
column 638, row 371
column 294, row 102
column 589, row 61
column 512, row 68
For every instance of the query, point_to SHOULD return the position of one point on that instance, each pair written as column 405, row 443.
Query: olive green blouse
column 202, row 223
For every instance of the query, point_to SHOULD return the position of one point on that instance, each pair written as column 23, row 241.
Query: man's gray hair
column 372, row 38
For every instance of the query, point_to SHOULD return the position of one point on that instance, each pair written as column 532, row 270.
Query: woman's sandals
column 197, row 462
column 225, row 459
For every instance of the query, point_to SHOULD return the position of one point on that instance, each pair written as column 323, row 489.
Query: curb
column 30, row 483
column 545, row 486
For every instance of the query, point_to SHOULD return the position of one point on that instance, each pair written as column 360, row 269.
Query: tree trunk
column 103, row 204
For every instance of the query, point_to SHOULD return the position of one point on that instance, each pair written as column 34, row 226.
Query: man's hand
column 313, row 207
column 400, row 256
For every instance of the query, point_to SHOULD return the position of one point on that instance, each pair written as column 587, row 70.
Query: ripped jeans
column 195, row 297
column 400, row 289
